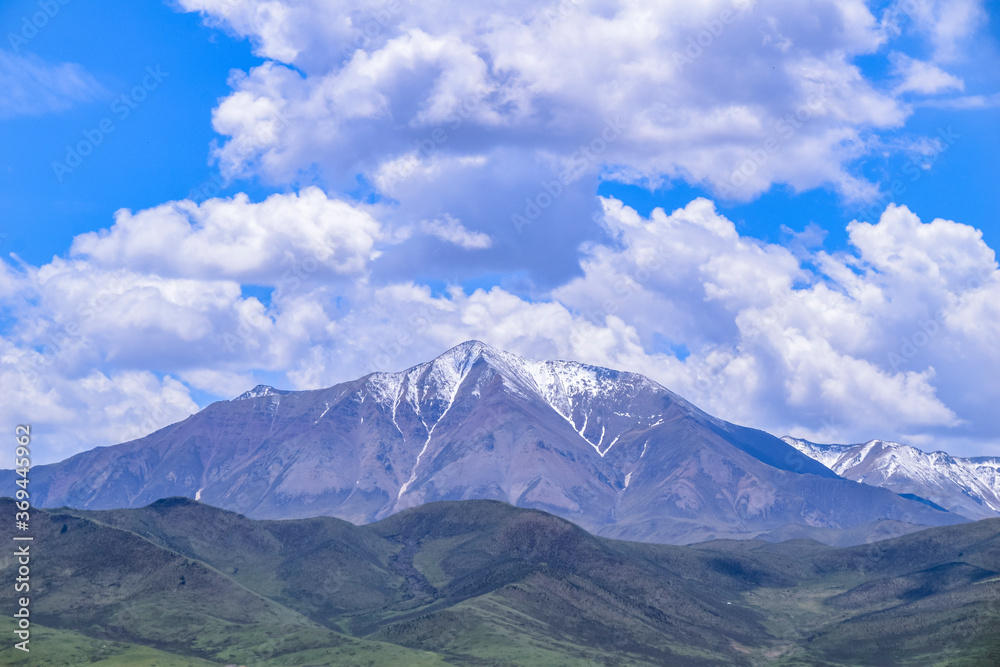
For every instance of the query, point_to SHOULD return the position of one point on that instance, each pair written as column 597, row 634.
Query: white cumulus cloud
column 351, row 87
column 879, row 341
column 237, row 239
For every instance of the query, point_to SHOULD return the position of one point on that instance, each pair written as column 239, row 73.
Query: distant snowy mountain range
column 611, row 451
column 966, row 486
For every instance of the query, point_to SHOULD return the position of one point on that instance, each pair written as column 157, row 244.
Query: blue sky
column 160, row 153
column 157, row 154
column 311, row 191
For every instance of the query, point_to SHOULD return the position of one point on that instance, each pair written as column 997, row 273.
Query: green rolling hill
column 486, row 583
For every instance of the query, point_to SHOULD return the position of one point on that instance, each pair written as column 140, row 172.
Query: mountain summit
column 966, row 486
column 612, row 451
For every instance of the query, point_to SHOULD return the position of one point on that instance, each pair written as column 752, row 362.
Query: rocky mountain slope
column 612, row 451
column 966, row 486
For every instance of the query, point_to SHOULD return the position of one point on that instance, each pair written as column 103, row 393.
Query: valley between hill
column 485, row 583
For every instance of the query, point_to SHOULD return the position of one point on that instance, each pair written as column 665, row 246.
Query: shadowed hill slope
column 486, row 583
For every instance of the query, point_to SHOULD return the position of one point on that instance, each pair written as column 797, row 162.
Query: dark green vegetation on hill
column 484, row 583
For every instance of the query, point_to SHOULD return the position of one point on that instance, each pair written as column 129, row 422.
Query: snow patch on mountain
column 570, row 388
column 322, row 414
column 258, row 391
column 451, row 381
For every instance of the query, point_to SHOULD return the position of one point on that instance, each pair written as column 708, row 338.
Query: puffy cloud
column 941, row 253
column 692, row 256
column 280, row 30
column 871, row 341
column 506, row 116
column 354, row 87
column 879, row 341
column 478, row 138
column 87, row 317
column 71, row 414
column 221, row 383
column 236, row 239
column 366, row 339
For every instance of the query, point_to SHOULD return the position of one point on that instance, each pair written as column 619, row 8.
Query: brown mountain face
column 614, row 452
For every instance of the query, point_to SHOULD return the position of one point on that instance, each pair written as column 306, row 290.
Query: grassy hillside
column 485, row 583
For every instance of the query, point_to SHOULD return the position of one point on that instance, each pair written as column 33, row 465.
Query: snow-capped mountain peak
column 258, row 391
column 970, row 487
column 562, row 384
column 611, row 449
column 578, row 392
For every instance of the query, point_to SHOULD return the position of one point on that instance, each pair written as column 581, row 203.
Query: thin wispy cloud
column 32, row 86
